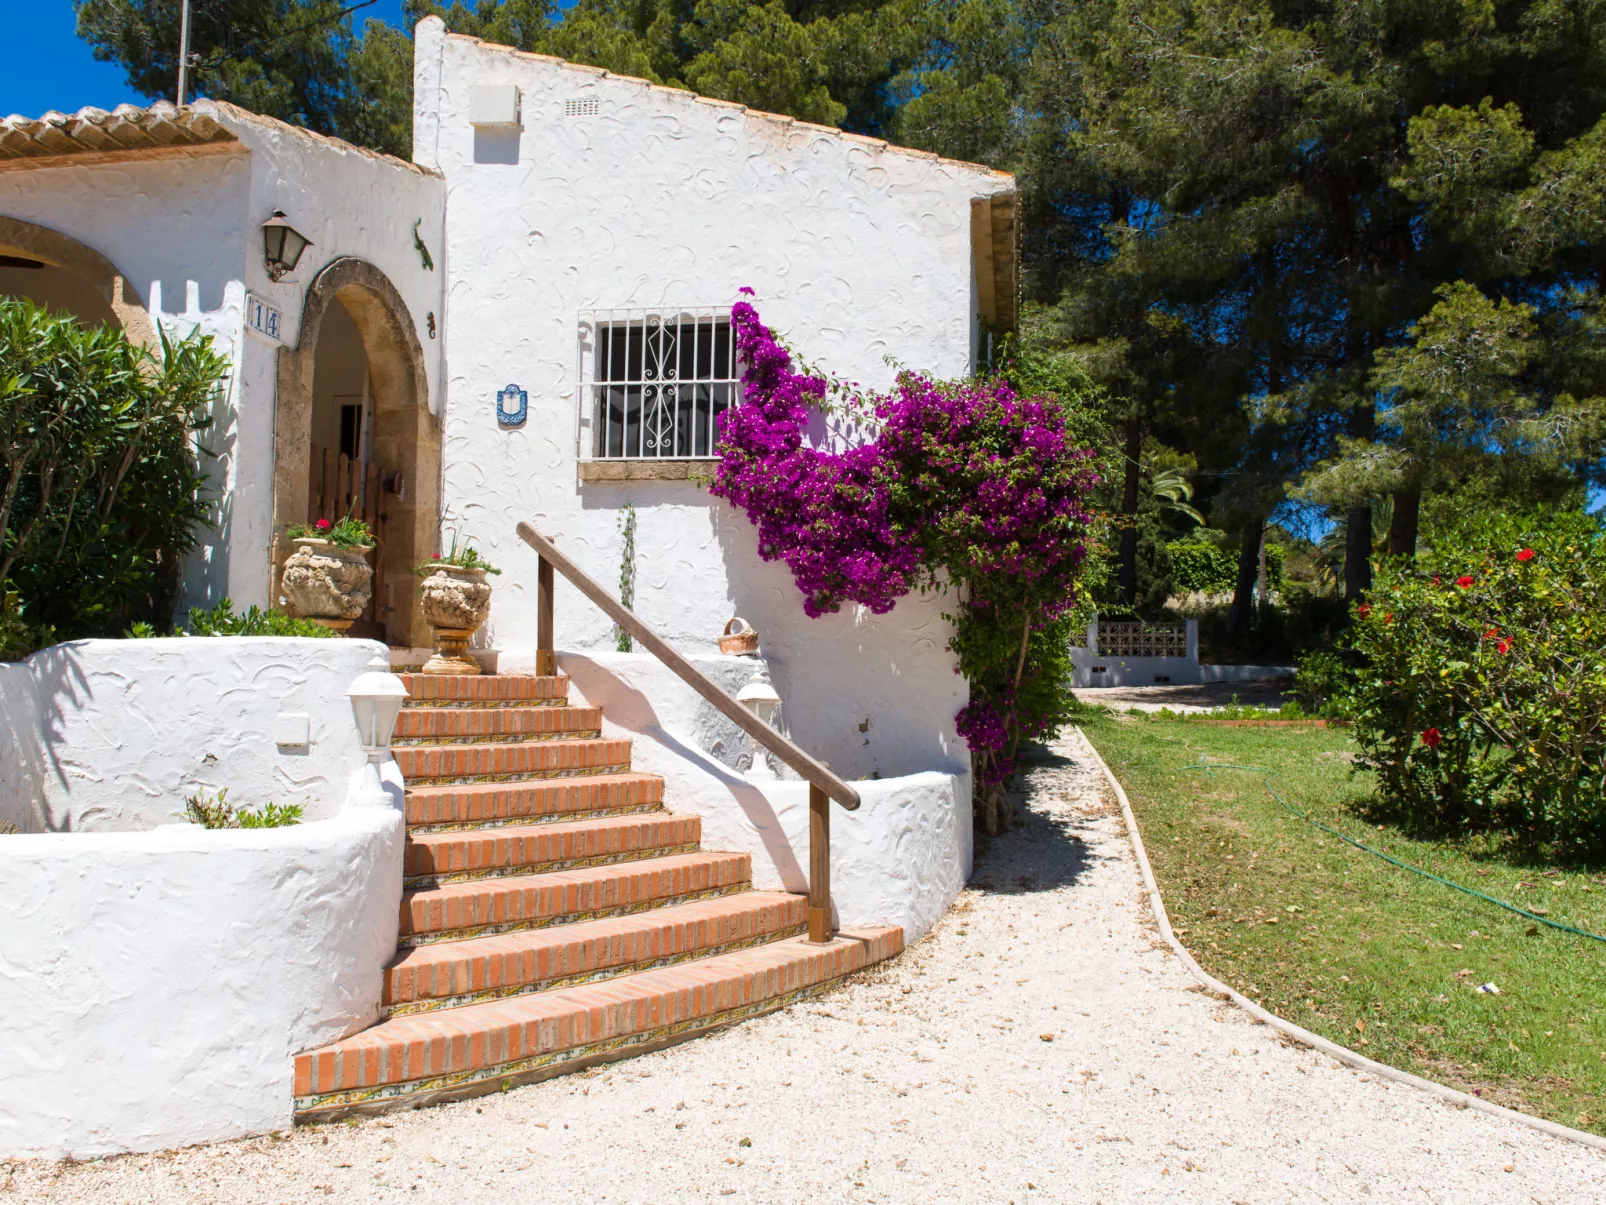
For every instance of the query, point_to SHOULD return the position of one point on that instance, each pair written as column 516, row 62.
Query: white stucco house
column 529, row 322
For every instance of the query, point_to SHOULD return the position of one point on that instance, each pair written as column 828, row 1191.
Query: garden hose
column 1208, row 767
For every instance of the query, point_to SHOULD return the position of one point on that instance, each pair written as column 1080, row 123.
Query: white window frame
column 656, row 433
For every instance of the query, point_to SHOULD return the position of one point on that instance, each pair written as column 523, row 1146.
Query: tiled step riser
column 543, row 921
column 442, row 764
column 499, row 906
column 482, row 1048
column 457, row 807
column 451, row 974
column 470, row 855
column 432, row 725
column 420, row 881
column 484, row 689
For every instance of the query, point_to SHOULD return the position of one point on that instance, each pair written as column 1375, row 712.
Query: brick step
column 484, row 690
column 515, row 722
column 453, row 1053
column 454, row 973
column 469, row 855
column 503, row 761
column 454, row 911
column 487, row 804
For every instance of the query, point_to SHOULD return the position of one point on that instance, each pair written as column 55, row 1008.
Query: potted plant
column 456, row 599
column 328, row 577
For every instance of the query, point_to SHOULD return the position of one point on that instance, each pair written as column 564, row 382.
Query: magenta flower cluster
column 965, row 478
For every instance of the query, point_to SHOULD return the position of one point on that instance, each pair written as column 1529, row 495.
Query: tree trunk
column 1358, row 544
column 1243, row 591
column 1403, row 526
column 1128, row 578
column 1358, row 552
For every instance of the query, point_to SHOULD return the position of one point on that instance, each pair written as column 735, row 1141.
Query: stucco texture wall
column 114, row 734
column 899, row 859
column 158, row 984
column 857, row 251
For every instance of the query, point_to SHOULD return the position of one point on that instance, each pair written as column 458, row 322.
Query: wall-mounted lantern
column 376, row 700
column 282, row 245
column 759, row 697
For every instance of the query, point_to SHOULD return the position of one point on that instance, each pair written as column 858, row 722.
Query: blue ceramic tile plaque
column 512, row 405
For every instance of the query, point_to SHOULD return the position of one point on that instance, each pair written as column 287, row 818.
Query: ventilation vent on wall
column 586, row 107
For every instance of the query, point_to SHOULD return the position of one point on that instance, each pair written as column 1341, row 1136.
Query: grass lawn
column 1369, row 955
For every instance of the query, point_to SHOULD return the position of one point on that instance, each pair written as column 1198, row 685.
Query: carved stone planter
column 455, row 602
column 326, row 582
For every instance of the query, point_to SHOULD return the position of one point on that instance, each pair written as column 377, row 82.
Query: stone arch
column 59, row 250
column 407, row 437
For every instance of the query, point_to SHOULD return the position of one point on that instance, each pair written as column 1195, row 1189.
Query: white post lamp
column 282, row 245
column 759, row 697
column 376, row 699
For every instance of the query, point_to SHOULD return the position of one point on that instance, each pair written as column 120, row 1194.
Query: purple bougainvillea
column 965, row 478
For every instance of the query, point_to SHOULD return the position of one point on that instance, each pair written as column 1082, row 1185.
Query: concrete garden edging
column 1305, row 1037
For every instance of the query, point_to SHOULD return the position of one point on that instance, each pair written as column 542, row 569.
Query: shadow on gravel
column 1043, row 851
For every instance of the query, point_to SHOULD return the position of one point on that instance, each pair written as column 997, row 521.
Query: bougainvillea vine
column 965, row 484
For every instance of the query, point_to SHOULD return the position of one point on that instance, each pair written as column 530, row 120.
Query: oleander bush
column 100, row 488
column 1481, row 702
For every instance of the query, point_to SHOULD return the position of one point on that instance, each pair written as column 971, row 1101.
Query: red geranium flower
column 1527, row 554
column 434, row 556
column 1463, row 581
column 322, row 524
column 1431, row 737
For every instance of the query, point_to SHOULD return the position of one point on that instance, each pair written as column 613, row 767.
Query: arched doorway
column 355, row 434
column 63, row 275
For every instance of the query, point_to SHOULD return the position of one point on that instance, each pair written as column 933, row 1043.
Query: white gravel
column 1040, row 1045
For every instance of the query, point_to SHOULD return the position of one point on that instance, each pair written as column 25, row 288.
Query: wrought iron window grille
column 653, row 382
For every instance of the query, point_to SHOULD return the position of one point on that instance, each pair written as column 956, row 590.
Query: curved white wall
column 899, row 859
column 124, row 730
column 158, row 984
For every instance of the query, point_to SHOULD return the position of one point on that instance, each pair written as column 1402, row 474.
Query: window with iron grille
column 653, row 382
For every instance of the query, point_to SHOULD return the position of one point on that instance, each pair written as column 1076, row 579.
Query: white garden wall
column 123, row 730
column 159, row 984
column 857, row 251
column 899, row 859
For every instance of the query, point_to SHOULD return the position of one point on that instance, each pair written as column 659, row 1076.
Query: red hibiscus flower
column 322, row 524
column 1504, row 646
column 1527, row 554
column 1490, row 634
column 1463, row 581
column 1363, row 610
column 1431, row 737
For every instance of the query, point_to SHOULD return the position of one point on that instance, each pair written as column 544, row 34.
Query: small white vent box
column 493, row 106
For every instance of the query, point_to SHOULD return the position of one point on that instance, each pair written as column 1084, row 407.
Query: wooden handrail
column 824, row 786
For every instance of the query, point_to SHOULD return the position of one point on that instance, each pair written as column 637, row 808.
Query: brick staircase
column 554, row 914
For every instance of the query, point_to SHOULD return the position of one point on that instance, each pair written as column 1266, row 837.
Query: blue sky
column 44, row 66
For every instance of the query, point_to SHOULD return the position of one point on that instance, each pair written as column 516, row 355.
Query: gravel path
column 1273, row 693
column 1040, row 1045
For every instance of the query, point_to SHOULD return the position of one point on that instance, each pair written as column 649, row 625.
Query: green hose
column 1209, row 767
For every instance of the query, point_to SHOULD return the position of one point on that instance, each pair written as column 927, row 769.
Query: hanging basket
column 740, row 638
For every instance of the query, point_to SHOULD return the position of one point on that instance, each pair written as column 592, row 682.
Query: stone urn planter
column 327, row 582
column 456, row 602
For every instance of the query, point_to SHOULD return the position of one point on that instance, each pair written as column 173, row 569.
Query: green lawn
column 1348, row 946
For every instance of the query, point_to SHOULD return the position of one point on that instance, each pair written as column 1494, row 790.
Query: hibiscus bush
column 964, row 485
column 1482, row 698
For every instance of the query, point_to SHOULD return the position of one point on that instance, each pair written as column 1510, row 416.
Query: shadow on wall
column 22, row 764
column 631, row 710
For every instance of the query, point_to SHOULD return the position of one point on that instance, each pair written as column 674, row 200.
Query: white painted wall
column 122, row 730
column 159, row 984
column 187, row 233
column 856, row 250
column 899, row 859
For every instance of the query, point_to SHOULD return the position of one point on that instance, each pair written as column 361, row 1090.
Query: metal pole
column 183, row 51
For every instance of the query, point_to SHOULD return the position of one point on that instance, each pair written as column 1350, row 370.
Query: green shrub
column 1211, row 570
column 1321, row 684
column 100, row 490
column 220, row 621
column 1482, row 702
column 218, row 812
